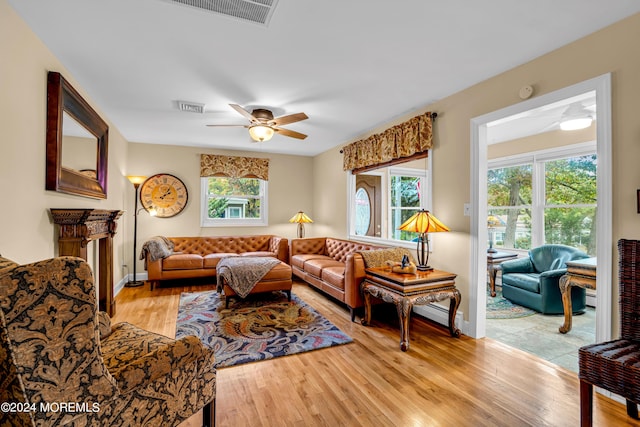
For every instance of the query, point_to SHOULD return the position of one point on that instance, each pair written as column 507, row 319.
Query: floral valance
column 403, row 140
column 234, row 167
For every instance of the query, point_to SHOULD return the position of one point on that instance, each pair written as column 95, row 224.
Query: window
column 405, row 201
column 545, row 197
column 509, row 195
column 233, row 201
column 381, row 200
column 570, row 202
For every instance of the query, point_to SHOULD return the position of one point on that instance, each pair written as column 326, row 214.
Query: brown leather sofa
column 333, row 266
column 198, row 256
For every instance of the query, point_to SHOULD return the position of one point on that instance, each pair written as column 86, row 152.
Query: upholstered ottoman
column 276, row 279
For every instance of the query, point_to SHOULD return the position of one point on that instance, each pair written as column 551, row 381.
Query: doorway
column 479, row 147
column 368, row 205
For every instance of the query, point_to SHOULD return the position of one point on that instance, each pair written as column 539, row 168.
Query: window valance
column 407, row 139
column 234, row 167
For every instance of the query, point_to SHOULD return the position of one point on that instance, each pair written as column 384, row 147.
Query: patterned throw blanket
column 157, row 247
column 242, row 273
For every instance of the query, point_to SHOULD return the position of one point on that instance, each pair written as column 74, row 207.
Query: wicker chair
column 615, row 365
column 56, row 349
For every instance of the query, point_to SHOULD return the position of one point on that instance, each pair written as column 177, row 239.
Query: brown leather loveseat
column 333, row 266
column 199, row 256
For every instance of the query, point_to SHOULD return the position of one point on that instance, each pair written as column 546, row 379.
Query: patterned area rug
column 499, row 307
column 259, row 327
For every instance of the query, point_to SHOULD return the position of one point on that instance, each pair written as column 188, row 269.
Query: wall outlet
column 467, row 209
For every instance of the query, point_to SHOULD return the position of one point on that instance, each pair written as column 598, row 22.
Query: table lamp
column 492, row 222
column 423, row 222
column 301, row 218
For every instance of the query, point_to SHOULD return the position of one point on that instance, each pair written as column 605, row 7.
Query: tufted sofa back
column 315, row 245
column 339, row 249
column 217, row 244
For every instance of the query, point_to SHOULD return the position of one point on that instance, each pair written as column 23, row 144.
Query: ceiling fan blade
column 244, row 112
column 290, row 133
column 552, row 126
column 291, row 118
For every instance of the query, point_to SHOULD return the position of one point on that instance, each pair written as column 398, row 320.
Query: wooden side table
column 581, row 273
column 407, row 290
column 494, row 259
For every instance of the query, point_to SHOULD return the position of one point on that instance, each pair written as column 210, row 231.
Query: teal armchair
column 534, row 281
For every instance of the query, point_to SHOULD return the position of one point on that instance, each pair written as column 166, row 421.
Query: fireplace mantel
column 77, row 227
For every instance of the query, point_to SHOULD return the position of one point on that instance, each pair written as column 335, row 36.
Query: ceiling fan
column 574, row 116
column 263, row 125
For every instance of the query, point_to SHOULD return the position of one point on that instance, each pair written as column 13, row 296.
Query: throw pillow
column 379, row 257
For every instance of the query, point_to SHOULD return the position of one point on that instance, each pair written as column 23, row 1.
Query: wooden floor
column 440, row 381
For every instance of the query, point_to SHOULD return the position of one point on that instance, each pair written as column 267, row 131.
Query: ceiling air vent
column 258, row 11
column 191, row 107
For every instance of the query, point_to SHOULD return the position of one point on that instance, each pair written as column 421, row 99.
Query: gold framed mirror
column 77, row 142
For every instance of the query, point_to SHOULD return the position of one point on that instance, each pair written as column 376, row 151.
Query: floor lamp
column 136, row 181
column 422, row 223
column 301, row 218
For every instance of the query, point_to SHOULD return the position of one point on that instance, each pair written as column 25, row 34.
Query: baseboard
column 120, row 285
column 440, row 314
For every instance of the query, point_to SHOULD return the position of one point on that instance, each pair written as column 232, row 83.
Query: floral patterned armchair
column 63, row 363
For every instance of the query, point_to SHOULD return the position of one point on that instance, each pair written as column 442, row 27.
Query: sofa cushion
column 334, row 276
column 315, row 266
column 258, row 253
column 182, row 262
column 211, row 260
column 281, row 271
column 299, row 260
column 527, row 281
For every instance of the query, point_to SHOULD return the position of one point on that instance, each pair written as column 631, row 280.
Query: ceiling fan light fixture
column 576, row 123
column 576, row 117
column 260, row 133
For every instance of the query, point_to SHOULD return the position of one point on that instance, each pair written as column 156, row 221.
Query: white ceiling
column 350, row 65
column 542, row 119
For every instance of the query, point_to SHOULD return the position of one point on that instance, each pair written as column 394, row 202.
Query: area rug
column 499, row 307
column 260, row 327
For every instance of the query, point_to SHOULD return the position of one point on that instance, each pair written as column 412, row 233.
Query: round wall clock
column 165, row 193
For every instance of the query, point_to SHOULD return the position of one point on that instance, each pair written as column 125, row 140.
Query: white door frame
column 478, row 262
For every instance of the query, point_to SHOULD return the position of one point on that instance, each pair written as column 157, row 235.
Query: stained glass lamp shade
column 423, row 222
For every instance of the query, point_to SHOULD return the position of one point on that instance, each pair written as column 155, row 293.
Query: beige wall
column 26, row 230
column 611, row 50
column 290, row 190
column 330, row 194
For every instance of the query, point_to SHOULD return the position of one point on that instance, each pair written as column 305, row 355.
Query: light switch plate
column 467, row 209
